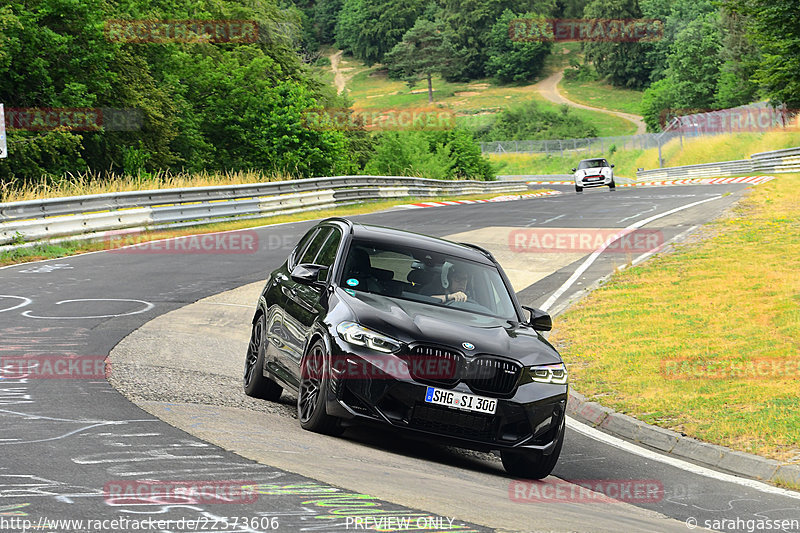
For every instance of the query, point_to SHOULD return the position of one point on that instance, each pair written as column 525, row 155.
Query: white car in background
column 593, row 173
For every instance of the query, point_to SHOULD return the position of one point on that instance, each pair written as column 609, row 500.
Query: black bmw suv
column 372, row 324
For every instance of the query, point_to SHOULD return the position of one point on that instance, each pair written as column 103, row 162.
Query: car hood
column 410, row 321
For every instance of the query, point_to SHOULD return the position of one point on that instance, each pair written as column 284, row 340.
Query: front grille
column 492, row 375
column 454, row 423
column 436, row 365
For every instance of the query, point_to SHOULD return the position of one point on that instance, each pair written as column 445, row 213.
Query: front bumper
column 532, row 418
column 593, row 180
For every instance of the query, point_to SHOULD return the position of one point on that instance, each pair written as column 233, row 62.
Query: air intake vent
column 435, row 365
column 492, row 375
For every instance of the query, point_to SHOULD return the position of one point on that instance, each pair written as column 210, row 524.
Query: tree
column 469, row 24
column 740, row 59
column 370, row 28
column 657, row 101
column 692, row 74
column 424, row 51
column 624, row 64
column 326, row 13
column 215, row 106
column 448, row 154
column 528, row 121
column 675, row 16
column 694, row 63
column 774, row 28
column 511, row 61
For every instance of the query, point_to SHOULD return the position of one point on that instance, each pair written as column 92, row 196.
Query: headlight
column 361, row 336
column 549, row 373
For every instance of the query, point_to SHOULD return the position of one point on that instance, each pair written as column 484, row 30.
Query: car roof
column 593, row 159
column 384, row 235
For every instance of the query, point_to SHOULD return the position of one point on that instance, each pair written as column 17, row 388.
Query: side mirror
column 612, row 166
column 310, row 274
column 540, row 320
column 573, row 170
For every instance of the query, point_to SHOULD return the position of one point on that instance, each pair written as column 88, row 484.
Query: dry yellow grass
column 705, row 340
column 694, row 151
column 89, row 183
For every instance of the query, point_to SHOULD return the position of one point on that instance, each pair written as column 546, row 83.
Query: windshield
column 592, row 163
column 427, row 277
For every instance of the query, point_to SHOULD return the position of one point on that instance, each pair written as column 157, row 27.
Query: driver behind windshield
column 457, row 286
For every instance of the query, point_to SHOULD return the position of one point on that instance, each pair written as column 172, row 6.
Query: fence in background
column 753, row 118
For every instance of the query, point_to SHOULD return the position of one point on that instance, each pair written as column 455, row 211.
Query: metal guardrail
column 89, row 216
column 776, row 161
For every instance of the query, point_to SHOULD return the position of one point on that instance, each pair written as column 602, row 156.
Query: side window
column 327, row 253
column 300, row 247
column 314, row 246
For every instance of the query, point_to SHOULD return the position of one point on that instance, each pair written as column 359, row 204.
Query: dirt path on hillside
column 338, row 76
column 548, row 88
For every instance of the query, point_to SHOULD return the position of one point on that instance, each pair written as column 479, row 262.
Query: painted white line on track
column 552, row 219
column 635, row 449
column 25, row 301
column 147, row 306
column 676, row 238
column 591, row 259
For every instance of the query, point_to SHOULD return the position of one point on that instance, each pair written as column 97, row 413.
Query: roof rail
column 346, row 221
column 484, row 251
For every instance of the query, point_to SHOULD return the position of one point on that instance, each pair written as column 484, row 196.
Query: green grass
column 370, row 90
column 603, row 95
column 674, row 342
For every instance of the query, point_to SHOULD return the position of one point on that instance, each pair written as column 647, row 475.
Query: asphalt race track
column 68, row 444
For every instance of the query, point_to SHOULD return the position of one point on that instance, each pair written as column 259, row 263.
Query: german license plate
column 460, row 400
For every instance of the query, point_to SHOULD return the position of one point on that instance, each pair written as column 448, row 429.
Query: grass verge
column 693, row 151
column 68, row 247
column 705, row 340
column 603, row 95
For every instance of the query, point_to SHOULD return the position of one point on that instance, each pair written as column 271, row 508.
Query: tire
column 612, row 185
column 314, row 386
column 532, row 464
column 578, row 188
column 254, row 381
